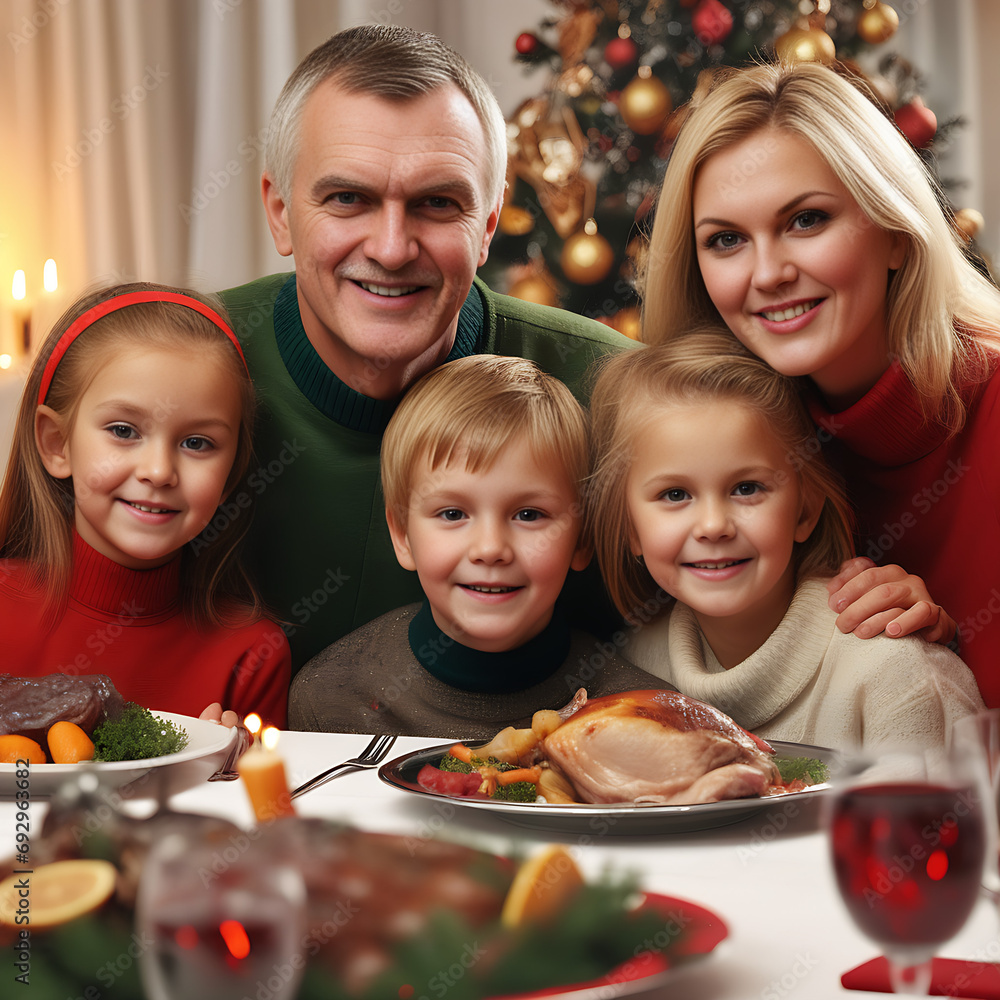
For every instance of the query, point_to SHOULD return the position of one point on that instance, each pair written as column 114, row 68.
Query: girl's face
column 149, row 451
column 796, row 269
column 715, row 507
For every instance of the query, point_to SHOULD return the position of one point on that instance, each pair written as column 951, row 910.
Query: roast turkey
column 658, row 746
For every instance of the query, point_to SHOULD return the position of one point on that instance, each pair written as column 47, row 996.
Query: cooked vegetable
column 136, row 734
column 517, row 791
column 807, row 769
column 500, row 780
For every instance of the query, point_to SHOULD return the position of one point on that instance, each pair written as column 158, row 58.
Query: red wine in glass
column 908, row 859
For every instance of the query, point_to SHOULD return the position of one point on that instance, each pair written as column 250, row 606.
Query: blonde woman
column 794, row 211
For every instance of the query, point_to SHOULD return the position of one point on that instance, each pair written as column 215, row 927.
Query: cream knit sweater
column 810, row 683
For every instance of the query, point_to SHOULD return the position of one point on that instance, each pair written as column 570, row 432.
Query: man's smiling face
column 388, row 217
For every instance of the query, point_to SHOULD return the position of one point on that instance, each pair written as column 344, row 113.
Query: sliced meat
column 29, row 705
column 658, row 746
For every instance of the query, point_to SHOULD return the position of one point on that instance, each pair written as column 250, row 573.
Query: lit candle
column 19, row 292
column 263, row 774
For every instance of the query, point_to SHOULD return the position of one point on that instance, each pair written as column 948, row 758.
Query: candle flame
column 270, row 737
column 6, row 361
column 50, row 277
column 253, row 723
column 18, row 287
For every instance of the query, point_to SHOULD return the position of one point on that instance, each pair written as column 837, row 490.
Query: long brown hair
column 37, row 509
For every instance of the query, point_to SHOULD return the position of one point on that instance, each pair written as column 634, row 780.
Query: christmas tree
column 587, row 154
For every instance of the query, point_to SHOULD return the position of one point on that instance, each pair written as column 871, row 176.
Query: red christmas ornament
column 526, row 43
column 620, row 53
column 712, row 22
column 917, row 122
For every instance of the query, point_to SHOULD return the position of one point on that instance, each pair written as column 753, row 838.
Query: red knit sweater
column 127, row 624
column 930, row 503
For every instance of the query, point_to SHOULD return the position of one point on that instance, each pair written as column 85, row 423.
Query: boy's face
column 492, row 547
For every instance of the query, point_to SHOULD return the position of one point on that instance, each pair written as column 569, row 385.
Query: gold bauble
column 536, row 289
column 586, row 257
column 626, row 321
column 877, row 24
column 969, row 222
column 515, row 220
column 644, row 104
column 805, row 45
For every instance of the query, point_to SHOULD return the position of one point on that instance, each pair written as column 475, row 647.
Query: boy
column 482, row 466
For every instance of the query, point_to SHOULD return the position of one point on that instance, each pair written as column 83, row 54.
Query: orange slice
column 542, row 887
column 56, row 893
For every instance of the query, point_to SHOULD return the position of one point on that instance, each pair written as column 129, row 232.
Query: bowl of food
column 54, row 727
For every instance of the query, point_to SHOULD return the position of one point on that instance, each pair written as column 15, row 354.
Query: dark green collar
column 325, row 391
column 489, row 673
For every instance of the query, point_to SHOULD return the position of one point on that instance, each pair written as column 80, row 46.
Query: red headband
column 116, row 302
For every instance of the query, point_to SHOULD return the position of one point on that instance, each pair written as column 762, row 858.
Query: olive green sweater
column 319, row 548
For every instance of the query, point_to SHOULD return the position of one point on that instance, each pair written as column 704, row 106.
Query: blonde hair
column 942, row 314
column 705, row 365
column 37, row 509
column 473, row 408
column 392, row 62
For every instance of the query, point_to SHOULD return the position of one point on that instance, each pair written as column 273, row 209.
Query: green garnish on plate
column 810, row 770
column 136, row 734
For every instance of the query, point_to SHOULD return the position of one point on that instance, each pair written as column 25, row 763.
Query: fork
column 371, row 756
column 228, row 770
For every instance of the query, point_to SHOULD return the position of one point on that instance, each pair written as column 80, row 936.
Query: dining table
column 767, row 875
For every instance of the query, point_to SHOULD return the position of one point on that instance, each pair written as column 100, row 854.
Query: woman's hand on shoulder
column 214, row 713
column 870, row 600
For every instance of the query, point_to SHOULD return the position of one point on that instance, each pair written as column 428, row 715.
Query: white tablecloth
column 768, row 876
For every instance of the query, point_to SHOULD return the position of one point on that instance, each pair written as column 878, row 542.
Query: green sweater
column 318, row 547
column 400, row 674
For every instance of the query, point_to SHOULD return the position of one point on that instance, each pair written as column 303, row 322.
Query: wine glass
column 981, row 732
column 907, row 840
column 222, row 916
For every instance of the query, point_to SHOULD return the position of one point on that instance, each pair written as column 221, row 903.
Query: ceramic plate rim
column 206, row 745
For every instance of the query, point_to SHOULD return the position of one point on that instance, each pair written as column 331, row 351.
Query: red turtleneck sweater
column 930, row 503
column 128, row 624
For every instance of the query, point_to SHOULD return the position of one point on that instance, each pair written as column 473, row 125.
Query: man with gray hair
column 384, row 178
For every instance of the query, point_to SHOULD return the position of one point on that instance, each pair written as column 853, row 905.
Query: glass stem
column 914, row 979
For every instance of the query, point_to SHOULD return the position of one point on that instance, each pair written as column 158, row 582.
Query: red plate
column 698, row 929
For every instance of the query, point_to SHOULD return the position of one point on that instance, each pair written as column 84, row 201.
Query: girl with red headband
column 121, row 512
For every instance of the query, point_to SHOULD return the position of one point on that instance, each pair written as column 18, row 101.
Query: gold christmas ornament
column 645, row 104
column 534, row 288
column 626, row 321
column 545, row 149
column 805, row 45
column 877, row 24
column 586, row 256
column 969, row 223
column 516, row 221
